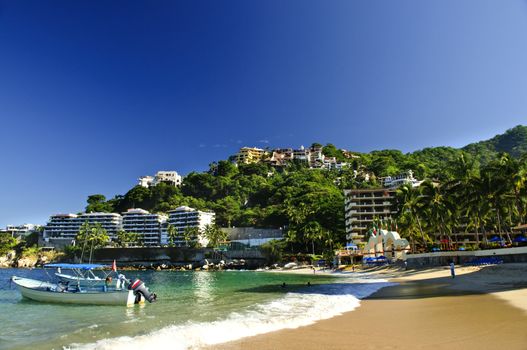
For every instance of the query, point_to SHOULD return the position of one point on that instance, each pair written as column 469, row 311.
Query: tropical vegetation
column 476, row 189
column 484, row 201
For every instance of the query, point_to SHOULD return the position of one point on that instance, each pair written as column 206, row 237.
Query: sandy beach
column 482, row 308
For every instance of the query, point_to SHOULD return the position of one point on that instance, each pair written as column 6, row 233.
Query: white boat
column 57, row 293
column 78, row 289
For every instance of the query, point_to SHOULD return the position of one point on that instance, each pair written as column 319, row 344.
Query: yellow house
column 247, row 155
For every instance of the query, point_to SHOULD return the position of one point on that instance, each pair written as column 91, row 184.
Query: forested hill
column 303, row 199
column 513, row 141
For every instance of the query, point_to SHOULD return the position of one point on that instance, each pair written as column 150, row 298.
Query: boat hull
column 38, row 291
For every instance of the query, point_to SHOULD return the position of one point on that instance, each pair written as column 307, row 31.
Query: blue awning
column 78, row 266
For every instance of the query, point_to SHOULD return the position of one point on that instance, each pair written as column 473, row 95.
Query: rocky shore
column 12, row 259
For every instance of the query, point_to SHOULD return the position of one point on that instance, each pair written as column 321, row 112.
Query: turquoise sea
column 194, row 309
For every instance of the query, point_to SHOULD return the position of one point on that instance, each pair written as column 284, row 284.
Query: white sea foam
column 290, row 311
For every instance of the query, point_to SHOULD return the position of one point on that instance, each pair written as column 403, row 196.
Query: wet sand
column 479, row 309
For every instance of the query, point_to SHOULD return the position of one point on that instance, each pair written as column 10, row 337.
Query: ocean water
column 194, row 309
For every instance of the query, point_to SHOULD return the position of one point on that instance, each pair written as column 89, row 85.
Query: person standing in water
column 452, row 269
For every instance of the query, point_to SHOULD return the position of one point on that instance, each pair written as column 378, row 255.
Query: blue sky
column 94, row 94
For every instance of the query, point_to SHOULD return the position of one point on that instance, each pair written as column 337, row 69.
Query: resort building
column 248, row 155
column 148, row 226
column 111, row 222
column 63, row 228
column 169, row 177
column 184, row 217
column 20, row 230
column 362, row 206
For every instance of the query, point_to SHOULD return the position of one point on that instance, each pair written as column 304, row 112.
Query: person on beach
column 452, row 269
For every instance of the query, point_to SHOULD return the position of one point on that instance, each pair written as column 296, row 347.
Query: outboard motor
column 139, row 289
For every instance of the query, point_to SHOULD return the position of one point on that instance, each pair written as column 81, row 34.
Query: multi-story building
column 148, row 226
column 301, row 154
column 111, row 222
column 363, row 206
column 248, row 155
column 63, row 228
column 169, row 177
column 20, row 230
column 184, row 217
column 316, row 157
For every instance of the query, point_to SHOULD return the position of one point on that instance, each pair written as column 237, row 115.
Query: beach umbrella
column 495, row 239
column 520, row 239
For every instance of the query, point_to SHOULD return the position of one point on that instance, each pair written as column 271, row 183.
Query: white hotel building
column 20, row 230
column 63, row 228
column 146, row 225
column 169, row 177
column 183, row 217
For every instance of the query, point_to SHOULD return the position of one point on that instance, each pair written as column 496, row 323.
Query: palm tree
column 436, row 209
column 82, row 236
column 172, row 233
column 214, row 235
column 98, row 237
column 412, row 204
column 495, row 189
column 190, row 235
column 124, row 239
column 476, row 208
column 313, row 231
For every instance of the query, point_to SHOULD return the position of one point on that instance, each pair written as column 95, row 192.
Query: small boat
column 64, row 294
column 123, row 292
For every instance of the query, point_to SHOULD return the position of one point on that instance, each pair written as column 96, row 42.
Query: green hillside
column 513, row 141
column 310, row 202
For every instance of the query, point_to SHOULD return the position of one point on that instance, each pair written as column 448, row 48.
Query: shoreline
column 482, row 308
